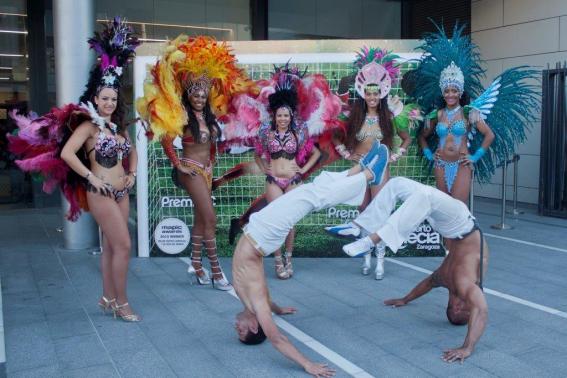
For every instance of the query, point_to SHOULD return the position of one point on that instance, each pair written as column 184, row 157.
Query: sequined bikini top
column 282, row 146
column 109, row 151
column 370, row 129
column 455, row 127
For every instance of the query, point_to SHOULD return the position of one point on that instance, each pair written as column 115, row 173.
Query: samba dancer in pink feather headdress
column 372, row 117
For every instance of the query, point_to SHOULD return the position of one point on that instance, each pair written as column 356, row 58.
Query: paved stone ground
column 53, row 327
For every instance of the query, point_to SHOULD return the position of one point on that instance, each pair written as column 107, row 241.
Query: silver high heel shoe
column 221, row 284
column 200, row 276
column 131, row 318
column 107, row 304
column 366, row 263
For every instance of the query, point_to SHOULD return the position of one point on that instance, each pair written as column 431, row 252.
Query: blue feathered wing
column 509, row 107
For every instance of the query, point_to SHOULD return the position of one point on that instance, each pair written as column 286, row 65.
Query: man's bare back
column 250, row 285
column 459, row 273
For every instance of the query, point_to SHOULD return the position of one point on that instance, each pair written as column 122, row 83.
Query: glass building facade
column 27, row 58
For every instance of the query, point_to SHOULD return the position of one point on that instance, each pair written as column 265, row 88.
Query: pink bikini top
column 282, row 146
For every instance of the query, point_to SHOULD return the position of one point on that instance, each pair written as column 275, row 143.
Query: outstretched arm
column 284, row 346
column 478, row 308
column 419, row 290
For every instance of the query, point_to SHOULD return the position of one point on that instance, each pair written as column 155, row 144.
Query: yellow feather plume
column 184, row 58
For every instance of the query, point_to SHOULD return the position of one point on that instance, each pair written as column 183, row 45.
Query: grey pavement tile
column 139, row 363
column 506, row 311
column 164, row 335
column 68, row 324
column 52, row 272
column 18, row 282
column 164, row 288
column 83, row 273
column 215, row 300
column 28, row 346
column 339, row 339
column 503, row 364
column 49, row 286
column 428, row 358
column 552, row 361
column 368, row 314
column 119, row 336
column 206, row 324
column 186, row 308
column 498, row 339
column 380, row 333
column 144, row 267
column 106, row 370
column 293, row 287
column 175, row 268
column 243, row 360
column 527, row 331
column 327, row 306
column 80, row 351
column 195, row 361
column 165, row 341
column 471, row 373
column 56, row 301
column 22, row 308
column 50, row 371
column 352, row 298
column 153, row 312
column 388, row 365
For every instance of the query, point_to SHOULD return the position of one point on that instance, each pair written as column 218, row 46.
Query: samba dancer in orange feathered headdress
column 190, row 86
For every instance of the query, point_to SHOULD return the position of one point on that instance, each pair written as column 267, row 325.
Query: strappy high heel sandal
column 106, row 304
column 288, row 265
column 200, row 275
column 281, row 272
column 126, row 317
column 221, row 283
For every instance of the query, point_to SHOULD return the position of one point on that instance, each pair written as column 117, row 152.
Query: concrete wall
column 517, row 32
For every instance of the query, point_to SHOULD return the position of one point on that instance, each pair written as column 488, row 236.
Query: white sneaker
column 359, row 247
column 346, row 229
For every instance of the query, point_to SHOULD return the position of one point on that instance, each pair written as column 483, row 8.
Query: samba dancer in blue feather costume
column 459, row 136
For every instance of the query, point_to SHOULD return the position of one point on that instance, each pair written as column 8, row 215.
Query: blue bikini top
column 457, row 128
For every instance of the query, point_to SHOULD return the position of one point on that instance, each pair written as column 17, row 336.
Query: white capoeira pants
column 447, row 215
column 269, row 227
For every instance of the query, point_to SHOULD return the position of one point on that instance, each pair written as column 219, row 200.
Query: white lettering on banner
column 424, row 237
column 172, row 236
column 180, row 201
column 333, row 212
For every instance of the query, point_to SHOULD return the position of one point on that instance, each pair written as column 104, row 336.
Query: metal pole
column 515, row 210
column 73, row 23
column 502, row 225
